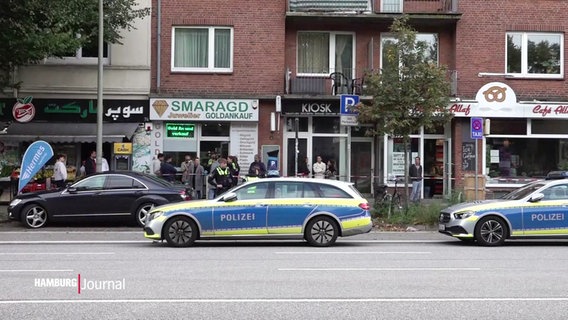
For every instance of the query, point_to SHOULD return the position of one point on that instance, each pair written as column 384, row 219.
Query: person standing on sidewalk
column 319, row 168
column 60, row 172
column 415, row 172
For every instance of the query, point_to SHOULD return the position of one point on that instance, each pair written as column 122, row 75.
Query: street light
column 100, row 91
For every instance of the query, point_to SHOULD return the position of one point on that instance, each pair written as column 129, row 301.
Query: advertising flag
column 37, row 154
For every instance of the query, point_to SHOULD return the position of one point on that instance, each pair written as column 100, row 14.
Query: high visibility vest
column 223, row 172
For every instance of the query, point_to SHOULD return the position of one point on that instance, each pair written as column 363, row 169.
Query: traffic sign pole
column 476, row 126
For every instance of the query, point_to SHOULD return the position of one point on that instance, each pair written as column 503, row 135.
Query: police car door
column 244, row 216
column 548, row 216
column 292, row 203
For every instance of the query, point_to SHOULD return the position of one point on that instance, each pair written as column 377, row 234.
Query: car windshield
column 523, row 191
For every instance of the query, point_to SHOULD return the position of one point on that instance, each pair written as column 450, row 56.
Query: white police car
column 317, row 210
column 538, row 209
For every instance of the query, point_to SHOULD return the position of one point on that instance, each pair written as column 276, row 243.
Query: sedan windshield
column 523, row 191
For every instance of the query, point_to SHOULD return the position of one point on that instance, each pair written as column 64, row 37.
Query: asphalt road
column 420, row 275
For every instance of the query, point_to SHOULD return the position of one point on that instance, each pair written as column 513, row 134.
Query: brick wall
column 481, row 43
column 258, row 58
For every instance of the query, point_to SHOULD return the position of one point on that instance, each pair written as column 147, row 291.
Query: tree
column 409, row 92
column 36, row 29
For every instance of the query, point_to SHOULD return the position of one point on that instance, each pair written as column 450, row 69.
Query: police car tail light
column 364, row 206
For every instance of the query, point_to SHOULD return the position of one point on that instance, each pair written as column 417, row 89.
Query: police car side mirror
column 536, row 197
column 230, row 196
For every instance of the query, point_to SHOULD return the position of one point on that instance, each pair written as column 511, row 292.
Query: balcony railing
column 373, row 6
column 337, row 83
column 332, row 83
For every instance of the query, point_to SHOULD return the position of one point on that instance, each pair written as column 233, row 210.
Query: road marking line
column 69, row 232
column 53, row 253
column 207, row 241
column 281, row 300
column 379, row 269
column 75, row 241
column 39, row 270
column 353, row 252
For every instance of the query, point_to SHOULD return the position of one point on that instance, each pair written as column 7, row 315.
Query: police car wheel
column 321, row 231
column 490, row 231
column 34, row 216
column 142, row 213
column 180, row 232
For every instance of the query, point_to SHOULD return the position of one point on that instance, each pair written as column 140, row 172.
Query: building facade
column 56, row 102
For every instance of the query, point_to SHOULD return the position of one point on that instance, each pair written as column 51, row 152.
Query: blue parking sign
column 477, row 128
column 348, row 101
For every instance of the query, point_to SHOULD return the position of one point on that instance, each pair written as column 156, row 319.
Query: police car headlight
column 463, row 215
column 154, row 215
column 15, row 202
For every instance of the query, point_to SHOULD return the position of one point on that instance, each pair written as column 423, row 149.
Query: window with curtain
column 202, row 49
column 535, row 55
column 391, row 6
column 322, row 53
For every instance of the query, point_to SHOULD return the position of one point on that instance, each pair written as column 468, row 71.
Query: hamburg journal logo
column 81, row 284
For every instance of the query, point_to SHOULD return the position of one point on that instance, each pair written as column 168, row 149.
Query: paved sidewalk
column 3, row 213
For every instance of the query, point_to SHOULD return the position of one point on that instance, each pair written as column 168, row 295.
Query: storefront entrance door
column 361, row 164
column 291, row 154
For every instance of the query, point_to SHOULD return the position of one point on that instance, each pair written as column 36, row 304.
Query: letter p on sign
column 347, row 102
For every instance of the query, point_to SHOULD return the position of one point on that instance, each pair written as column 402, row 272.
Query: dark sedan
column 98, row 197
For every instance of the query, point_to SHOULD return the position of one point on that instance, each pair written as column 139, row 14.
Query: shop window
column 326, row 124
column 524, row 157
column 395, row 158
column 549, row 126
column 509, row 126
column 215, row 129
column 326, row 147
column 302, row 124
column 535, row 55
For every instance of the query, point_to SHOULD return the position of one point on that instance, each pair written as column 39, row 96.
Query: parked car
column 317, row 210
column 98, row 197
column 535, row 210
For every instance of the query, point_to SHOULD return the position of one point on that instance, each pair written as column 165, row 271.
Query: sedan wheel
column 34, row 216
column 142, row 213
column 180, row 232
column 491, row 231
column 321, row 232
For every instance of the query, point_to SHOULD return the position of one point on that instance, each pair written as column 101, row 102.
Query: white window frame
column 386, row 36
column 331, row 66
column 79, row 59
column 211, row 51
column 400, row 5
column 524, row 56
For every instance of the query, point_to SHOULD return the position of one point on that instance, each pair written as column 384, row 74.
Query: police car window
column 523, row 191
column 93, row 183
column 252, row 192
column 329, row 191
column 292, row 190
column 558, row 192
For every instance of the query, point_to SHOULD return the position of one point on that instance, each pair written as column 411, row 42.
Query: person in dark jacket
column 233, row 165
column 91, row 163
column 221, row 178
column 167, row 169
column 415, row 172
column 257, row 168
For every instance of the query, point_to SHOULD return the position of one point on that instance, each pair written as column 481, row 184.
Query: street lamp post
column 100, row 91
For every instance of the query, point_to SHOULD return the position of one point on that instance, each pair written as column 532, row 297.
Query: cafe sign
column 204, row 109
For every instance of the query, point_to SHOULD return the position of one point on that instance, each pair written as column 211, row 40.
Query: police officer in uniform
column 221, row 177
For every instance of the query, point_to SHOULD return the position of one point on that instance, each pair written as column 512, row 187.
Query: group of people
column 88, row 167
column 320, row 169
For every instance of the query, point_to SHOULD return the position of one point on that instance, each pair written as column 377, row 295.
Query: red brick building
column 285, row 64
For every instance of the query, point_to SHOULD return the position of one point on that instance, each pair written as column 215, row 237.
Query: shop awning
column 67, row 132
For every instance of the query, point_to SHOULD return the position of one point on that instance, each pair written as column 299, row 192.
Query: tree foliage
column 409, row 92
column 36, row 29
